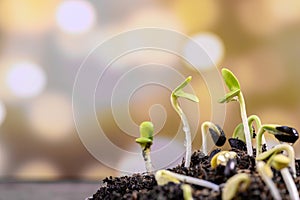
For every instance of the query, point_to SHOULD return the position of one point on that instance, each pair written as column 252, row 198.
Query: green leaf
column 230, row 80
column 182, row 85
column 146, row 130
column 230, row 96
column 143, row 140
column 188, row 96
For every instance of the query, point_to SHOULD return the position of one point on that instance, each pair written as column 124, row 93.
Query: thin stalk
column 147, row 159
column 290, row 184
column 245, row 124
column 192, row 180
column 269, row 182
column 188, row 140
column 255, row 118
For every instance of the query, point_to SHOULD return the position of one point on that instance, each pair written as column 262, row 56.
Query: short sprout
column 146, row 134
column 216, row 133
column 178, row 92
column 165, row 176
column 280, row 162
column 238, row 182
column 282, row 133
column 222, row 158
column 146, row 140
column 187, row 192
column 278, row 149
column 266, row 173
column 234, row 94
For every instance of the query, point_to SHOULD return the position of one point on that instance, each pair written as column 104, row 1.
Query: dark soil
column 143, row 186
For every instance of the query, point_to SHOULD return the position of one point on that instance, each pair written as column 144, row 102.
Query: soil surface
column 144, row 186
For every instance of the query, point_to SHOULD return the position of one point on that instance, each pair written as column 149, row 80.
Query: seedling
column 178, row 92
column 277, row 149
column 266, row 174
column 222, row 158
column 239, row 182
column 146, row 140
column 282, row 133
column 187, row 192
column 216, row 133
column 280, row 162
column 239, row 134
column 235, row 94
column 164, row 176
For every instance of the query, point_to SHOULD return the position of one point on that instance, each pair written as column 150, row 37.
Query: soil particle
column 144, row 186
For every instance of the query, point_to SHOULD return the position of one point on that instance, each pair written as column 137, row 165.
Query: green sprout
column 239, row 182
column 266, row 174
column 146, row 140
column 222, row 158
column 216, row 133
column 235, row 94
column 277, row 149
column 187, row 192
column 163, row 177
column 282, row 133
column 280, row 162
column 178, row 92
column 238, row 132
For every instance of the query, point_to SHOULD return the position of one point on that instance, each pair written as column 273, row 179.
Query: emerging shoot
column 216, row 133
column 178, row 92
column 235, row 94
column 266, row 174
column 146, row 140
column 187, row 192
column 280, row 162
column 222, row 158
column 164, row 176
column 239, row 182
column 277, row 149
column 238, row 137
column 282, row 133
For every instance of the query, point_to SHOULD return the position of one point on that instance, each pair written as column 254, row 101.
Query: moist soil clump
column 144, row 186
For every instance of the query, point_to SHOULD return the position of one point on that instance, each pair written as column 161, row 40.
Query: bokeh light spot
column 50, row 116
column 213, row 46
column 26, row 79
column 37, row 170
column 75, row 16
column 30, row 16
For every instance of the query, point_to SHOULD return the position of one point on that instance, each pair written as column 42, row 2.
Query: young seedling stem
column 162, row 177
column 234, row 184
column 282, row 133
column 234, row 94
column 146, row 140
column 280, row 162
column 266, row 174
column 218, row 135
column 178, row 92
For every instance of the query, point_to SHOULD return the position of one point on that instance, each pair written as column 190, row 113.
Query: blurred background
column 42, row 44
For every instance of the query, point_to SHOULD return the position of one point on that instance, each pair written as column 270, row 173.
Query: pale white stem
column 147, row 159
column 188, row 140
column 194, row 181
column 290, row 184
column 269, row 182
column 245, row 124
